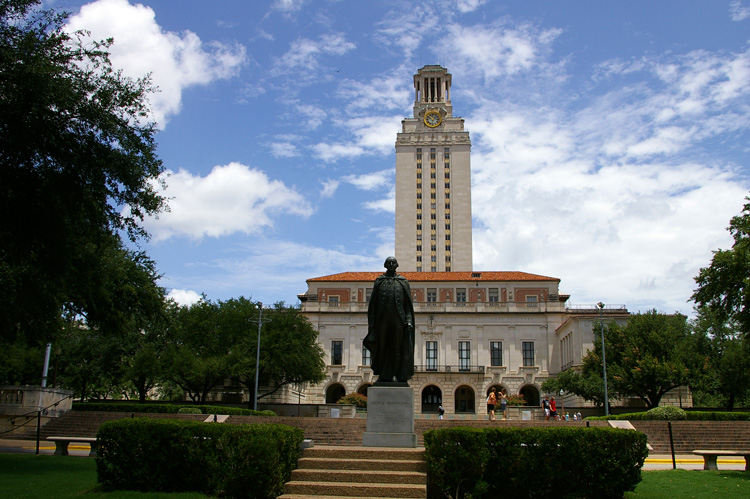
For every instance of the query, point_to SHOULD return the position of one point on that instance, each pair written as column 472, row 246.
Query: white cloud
column 497, row 51
column 329, row 188
column 371, row 181
column 619, row 199
column 737, row 11
column 334, row 152
column 374, row 134
column 304, row 53
column 184, row 296
column 465, row 6
column 283, row 150
column 175, row 60
column 230, row 199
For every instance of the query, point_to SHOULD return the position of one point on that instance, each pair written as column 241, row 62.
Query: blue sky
column 609, row 139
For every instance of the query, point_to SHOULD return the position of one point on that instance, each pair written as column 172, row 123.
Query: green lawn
column 31, row 476
column 697, row 484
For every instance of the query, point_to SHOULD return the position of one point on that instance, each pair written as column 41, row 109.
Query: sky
column 610, row 140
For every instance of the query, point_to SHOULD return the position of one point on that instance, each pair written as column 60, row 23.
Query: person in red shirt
column 552, row 408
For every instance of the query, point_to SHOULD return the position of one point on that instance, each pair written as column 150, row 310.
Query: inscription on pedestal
column 390, row 417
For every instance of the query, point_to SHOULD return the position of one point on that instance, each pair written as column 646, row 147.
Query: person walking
column 545, row 406
column 504, row 404
column 553, row 409
column 491, row 402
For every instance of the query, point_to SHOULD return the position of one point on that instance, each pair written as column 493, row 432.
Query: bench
column 61, row 444
column 709, row 457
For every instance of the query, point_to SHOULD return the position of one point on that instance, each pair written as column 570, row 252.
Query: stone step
column 317, row 489
column 306, row 496
column 358, row 475
column 325, row 463
column 382, row 453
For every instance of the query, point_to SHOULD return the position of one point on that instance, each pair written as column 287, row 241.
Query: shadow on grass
column 26, row 476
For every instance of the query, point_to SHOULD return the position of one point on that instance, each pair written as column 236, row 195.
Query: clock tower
column 433, row 181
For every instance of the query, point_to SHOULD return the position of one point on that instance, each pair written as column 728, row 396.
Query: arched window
column 334, row 393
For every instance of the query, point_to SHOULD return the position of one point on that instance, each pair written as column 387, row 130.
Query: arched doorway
column 464, row 400
column 432, row 397
column 362, row 390
column 530, row 394
column 334, row 393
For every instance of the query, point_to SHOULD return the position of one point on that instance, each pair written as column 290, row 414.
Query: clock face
column 432, row 119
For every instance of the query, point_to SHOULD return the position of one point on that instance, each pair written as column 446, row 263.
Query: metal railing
column 432, row 368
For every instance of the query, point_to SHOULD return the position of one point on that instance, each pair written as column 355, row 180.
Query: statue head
column 391, row 263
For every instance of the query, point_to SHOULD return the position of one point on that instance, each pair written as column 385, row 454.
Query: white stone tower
column 433, row 181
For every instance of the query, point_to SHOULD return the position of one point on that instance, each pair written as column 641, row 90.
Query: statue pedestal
column 390, row 417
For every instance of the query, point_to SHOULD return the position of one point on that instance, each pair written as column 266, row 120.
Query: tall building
column 475, row 330
column 433, row 181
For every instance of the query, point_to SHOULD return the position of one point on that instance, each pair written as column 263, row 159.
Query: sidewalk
column 45, row 448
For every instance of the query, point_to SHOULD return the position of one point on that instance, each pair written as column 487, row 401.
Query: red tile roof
column 437, row 276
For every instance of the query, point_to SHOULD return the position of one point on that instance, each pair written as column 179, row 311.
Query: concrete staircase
column 358, row 472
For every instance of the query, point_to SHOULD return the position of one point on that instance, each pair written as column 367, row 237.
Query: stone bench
column 61, row 444
column 709, row 457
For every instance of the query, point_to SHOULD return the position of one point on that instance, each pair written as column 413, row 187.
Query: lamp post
column 257, row 355
column 604, row 358
column 562, row 404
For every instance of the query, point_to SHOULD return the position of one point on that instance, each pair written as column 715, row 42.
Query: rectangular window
column 528, row 353
column 493, row 296
column 368, row 294
column 432, row 295
column 496, row 353
column 431, row 355
column 464, row 355
column 531, row 301
column 366, row 358
column 461, row 295
column 337, row 353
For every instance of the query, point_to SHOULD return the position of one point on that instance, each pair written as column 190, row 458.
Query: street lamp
column 257, row 355
column 562, row 403
column 604, row 358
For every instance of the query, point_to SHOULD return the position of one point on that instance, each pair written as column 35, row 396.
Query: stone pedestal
column 390, row 417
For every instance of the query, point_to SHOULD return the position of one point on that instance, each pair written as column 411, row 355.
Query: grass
column 696, row 484
column 27, row 476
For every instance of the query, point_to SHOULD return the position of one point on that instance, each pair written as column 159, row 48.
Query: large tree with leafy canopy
column 78, row 171
column 724, row 286
column 645, row 357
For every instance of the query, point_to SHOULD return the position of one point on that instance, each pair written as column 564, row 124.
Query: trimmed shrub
column 689, row 416
column 189, row 410
column 166, row 408
column 172, row 455
column 667, row 413
column 508, row 462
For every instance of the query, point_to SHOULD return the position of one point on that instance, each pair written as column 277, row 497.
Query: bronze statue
column 390, row 331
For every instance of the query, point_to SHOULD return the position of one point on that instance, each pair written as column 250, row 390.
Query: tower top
column 432, row 89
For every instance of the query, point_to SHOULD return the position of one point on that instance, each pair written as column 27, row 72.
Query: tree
column 77, row 169
column 289, row 351
column 721, row 361
column 723, row 286
column 198, row 355
column 645, row 357
column 589, row 387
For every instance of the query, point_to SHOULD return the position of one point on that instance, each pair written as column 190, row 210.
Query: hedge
column 533, row 462
column 149, row 455
column 689, row 416
column 166, row 408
